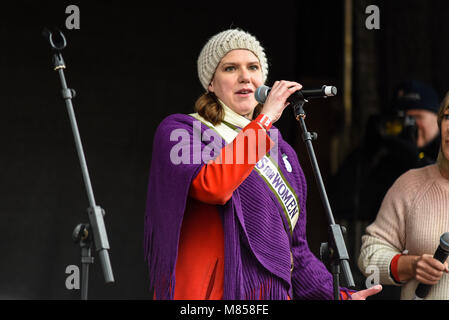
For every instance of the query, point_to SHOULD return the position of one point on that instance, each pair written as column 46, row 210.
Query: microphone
column 441, row 255
column 262, row 93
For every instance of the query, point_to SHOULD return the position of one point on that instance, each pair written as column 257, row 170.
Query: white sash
column 265, row 167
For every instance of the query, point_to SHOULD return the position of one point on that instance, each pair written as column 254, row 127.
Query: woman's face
column 237, row 77
column 445, row 134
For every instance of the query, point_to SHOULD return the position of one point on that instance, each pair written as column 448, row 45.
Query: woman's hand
column 424, row 268
column 277, row 99
column 428, row 270
column 363, row 294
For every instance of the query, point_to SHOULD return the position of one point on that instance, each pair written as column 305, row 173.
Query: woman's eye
column 446, row 117
column 254, row 67
column 230, row 68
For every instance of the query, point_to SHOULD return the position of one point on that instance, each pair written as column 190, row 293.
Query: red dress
column 200, row 262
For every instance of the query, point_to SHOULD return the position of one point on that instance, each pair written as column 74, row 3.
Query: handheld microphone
column 262, row 93
column 441, row 255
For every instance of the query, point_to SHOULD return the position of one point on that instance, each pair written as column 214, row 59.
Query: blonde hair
column 209, row 108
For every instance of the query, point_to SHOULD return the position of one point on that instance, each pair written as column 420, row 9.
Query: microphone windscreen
column 261, row 94
column 444, row 241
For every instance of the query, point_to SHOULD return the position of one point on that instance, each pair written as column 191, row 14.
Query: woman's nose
column 244, row 76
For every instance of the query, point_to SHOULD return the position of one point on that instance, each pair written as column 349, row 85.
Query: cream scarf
column 267, row 167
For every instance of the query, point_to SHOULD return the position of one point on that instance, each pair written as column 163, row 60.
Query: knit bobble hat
column 219, row 45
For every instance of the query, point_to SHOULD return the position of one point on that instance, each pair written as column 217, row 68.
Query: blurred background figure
column 405, row 137
column 411, row 224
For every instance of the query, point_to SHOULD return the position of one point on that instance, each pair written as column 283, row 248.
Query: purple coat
column 257, row 245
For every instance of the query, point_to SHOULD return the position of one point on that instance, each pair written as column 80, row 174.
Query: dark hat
column 415, row 95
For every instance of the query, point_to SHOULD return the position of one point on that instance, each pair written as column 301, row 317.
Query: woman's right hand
column 277, row 99
column 429, row 270
column 425, row 269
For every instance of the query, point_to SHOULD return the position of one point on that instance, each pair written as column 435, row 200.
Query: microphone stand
column 334, row 252
column 82, row 232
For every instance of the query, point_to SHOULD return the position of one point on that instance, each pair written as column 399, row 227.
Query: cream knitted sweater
column 413, row 216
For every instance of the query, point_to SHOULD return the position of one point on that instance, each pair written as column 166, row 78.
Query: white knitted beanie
column 219, row 45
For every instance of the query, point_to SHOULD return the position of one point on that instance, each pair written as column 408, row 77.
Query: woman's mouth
column 244, row 92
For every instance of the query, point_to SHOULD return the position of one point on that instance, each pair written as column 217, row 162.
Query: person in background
column 406, row 232
column 403, row 137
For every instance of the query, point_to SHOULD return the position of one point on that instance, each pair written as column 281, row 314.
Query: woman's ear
column 211, row 87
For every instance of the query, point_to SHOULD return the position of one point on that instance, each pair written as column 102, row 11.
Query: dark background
column 134, row 63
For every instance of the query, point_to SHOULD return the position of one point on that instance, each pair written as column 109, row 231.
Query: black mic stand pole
column 335, row 251
column 82, row 232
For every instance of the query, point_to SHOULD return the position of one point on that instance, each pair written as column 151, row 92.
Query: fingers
column 372, row 291
column 428, row 279
column 429, row 270
column 428, row 263
column 283, row 89
column 277, row 99
column 363, row 294
column 285, row 83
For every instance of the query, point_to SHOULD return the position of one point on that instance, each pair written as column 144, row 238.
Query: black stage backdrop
column 132, row 64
